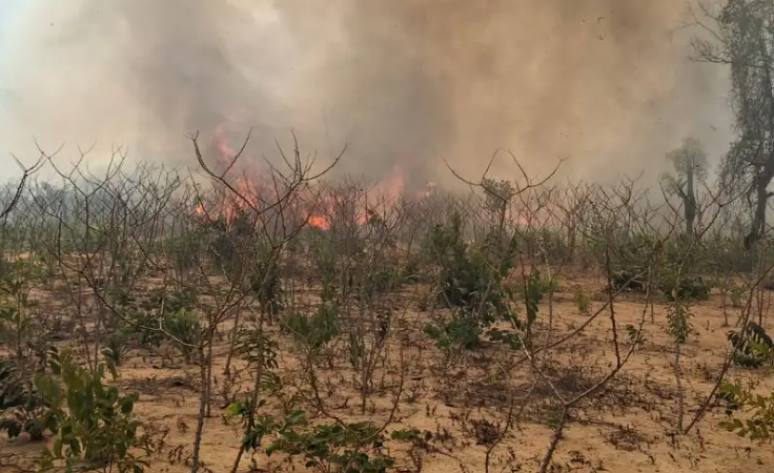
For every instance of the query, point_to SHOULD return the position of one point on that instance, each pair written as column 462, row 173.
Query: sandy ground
column 628, row 427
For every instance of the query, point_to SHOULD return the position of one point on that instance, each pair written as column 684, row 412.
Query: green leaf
column 122, row 449
column 127, row 405
column 75, row 446
column 296, row 418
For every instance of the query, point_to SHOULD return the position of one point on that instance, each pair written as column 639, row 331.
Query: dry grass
column 628, row 426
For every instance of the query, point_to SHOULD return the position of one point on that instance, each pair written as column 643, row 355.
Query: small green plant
column 380, row 280
column 183, row 250
column 679, row 326
column 183, row 325
column 737, row 294
column 460, row 331
column 412, row 273
column 173, row 301
column 535, row 288
column 327, row 448
column 95, row 426
column 21, row 406
column 117, row 346
column 324, row 258
column 15, row 327
column 624, row 280
column 122, row 297
column 350, row 448
column 752, row 345
column 139, row 320
column 582, row 301
column 687, row 289
column 186, row 327
column 759, row 409
column 16, row 324
column 266, row 283
column 316, row 330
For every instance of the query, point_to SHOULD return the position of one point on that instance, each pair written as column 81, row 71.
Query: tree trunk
column 690, row 201
column 202, row 409
column 233, row 336
column 761, row 201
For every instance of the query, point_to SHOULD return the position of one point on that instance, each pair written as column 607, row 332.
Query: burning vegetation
column 283, row 314
column 316, row 207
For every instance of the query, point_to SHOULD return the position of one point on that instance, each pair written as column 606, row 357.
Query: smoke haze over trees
column 605, row 82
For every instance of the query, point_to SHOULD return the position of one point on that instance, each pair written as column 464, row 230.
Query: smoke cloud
column 404, row 83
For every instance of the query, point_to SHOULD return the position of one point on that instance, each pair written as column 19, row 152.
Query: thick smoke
column 404, row 82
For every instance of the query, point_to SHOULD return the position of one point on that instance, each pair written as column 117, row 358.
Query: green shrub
column 758, row 410
column 143, row 327
column 316, row 330
column 171, row 301
column 117, row 346
column 461, row 331
column 737, row 293
column 351, row 448
column 95, row 425
column 471, row 283
column 266, row 283
column 327, row 448
column 21, row 405
column 752, row 345
column 183, row 325
column 687, row 289
column 186, row 327
column 679, row 325
column 624, row 280
column 582, row 301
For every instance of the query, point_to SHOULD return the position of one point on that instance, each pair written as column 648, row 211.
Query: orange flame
column 319, row 222
column 319, row 217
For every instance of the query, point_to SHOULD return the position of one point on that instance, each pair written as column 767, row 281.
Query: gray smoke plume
column 404, row 82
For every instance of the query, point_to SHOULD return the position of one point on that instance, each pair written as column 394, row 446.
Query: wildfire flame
column 319, row 221
column 322, row 207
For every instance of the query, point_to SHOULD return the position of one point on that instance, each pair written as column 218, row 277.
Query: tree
column 744, row 40
column 690, row 169
column 498, row 196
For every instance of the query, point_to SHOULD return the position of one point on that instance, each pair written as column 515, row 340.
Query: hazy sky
column 10, row 12
column 7, row 9
column 403, row 82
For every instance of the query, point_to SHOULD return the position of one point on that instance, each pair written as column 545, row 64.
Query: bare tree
column 690, row 170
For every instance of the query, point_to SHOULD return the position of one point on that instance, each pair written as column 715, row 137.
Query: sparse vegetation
column 152, row 322
column 321, row 324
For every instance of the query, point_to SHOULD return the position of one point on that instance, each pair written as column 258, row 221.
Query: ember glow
column 318, row 221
